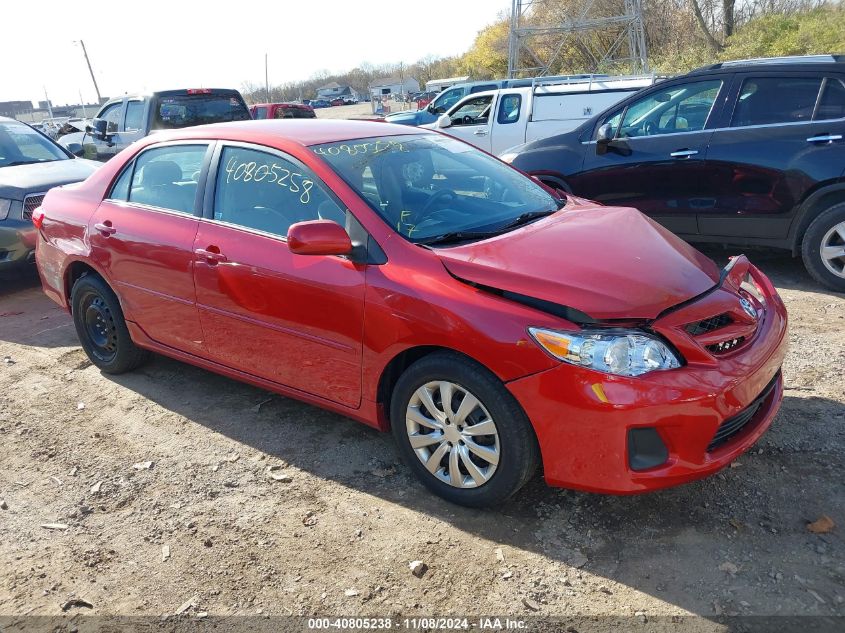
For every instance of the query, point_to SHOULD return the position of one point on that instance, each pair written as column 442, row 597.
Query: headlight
column 5, row 205
column 508, row 157
column 621, row 352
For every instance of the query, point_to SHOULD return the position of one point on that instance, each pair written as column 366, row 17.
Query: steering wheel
column 439, row 196
column 468, row 120
column 649, row 128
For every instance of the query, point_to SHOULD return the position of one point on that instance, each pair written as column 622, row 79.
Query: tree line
column 680, row 35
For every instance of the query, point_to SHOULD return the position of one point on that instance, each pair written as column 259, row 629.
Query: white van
column 497, row 120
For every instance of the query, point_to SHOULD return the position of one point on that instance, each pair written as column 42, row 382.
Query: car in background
column 424, row 98
column 30, row 165
column 748, row 152
column 337, row 102
column 320, row 103
column 123, row 120
column 415, row 283
column 498, row 120
column 449, row 97
column 282, row 111
column 350, row 100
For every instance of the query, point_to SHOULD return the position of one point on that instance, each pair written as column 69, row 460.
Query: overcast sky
column 154, row 44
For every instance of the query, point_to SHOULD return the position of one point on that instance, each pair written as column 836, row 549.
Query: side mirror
column 603, row 138
column 76, row 149
column 100, row 128
column 444, row 121
column 318, row 237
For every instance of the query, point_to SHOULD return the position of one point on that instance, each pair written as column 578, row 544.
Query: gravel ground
column 172, row 489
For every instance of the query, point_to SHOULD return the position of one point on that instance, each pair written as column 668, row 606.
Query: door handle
column 210, row 256
column 825, row 138
column 105, row 228
column 684, row 153
column 480, row 132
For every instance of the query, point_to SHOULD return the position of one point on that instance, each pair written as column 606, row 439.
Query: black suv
column 744, row 152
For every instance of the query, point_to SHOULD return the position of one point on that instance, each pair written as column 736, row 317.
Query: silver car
column 30, row 165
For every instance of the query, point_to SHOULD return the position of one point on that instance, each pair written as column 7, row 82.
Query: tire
column 101, row 327
column 827, row 230
column 510, row 454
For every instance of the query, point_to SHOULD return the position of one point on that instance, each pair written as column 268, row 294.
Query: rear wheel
column 461, row 432
column 101, row 327
column 823, row 248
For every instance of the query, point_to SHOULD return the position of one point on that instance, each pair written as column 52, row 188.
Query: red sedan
column 407, row 280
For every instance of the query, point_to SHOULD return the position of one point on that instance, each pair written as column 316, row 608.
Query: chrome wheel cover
column 833, row 250
column 452, row 434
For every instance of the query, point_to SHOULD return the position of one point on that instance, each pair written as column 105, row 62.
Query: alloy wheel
column 833, row 250
column 453, row 434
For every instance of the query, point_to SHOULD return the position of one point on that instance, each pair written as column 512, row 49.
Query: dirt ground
column 172, row 489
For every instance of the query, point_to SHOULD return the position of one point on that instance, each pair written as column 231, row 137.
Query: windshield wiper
column 457, row 236
column 15, row 163
column 525, row 218
column 465, row 236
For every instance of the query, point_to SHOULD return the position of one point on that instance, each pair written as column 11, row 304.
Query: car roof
column 302, row 131
column 796, row 62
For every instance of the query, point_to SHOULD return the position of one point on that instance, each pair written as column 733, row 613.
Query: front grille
column 726, row 346
column 708, row 325
column 734, row 425
column 31, row 203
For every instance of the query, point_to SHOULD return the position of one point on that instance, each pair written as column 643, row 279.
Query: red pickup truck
column 282, row 111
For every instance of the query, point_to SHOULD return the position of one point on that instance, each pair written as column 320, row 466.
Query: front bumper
column 17, row 243
column 582, row 418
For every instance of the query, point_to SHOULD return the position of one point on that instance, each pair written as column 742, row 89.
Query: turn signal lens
column 620, row 352
column 5, row 205
column 38, row 217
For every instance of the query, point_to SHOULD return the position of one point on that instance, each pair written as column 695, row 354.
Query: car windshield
column 21, row 145
column 185, row 110
column 432, row 188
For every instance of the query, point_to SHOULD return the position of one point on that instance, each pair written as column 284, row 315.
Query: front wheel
column 461, row 432
column 101, row 327
column 823, row 248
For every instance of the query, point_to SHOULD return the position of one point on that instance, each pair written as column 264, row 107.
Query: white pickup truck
column 497, row 120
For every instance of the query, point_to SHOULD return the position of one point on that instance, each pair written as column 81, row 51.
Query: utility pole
column 49, row 105
column 91, row 70
column 266, row 80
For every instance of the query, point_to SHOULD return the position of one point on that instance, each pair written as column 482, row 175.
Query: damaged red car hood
column 607, row 262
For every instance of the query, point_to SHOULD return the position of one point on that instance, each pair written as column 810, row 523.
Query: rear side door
column 655, row 162
column 142, row 237
column 471, row 121
column 781, row 137
column 508, row 129
column 292, row 319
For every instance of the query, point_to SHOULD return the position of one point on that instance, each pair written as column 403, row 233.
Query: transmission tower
column 621, row 34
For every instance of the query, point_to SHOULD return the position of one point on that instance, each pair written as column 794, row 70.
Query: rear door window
column 509, row 109
column 832, row 103
column 166, row 177
column 261, row 113
column 185, row 110
column 770, row 100
column 134, row 116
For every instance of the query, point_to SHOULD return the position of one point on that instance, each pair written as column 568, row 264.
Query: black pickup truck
column 124, row 120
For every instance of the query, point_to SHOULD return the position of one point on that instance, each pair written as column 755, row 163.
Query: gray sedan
column 30, row 165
